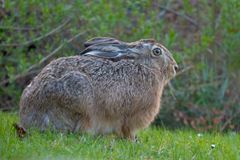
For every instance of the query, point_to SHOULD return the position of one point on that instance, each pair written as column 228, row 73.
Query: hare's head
column 146, row 52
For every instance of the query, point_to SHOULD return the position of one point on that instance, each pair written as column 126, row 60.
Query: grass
column 154, row 143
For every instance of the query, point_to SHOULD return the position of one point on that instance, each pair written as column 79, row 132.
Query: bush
column 203, row 35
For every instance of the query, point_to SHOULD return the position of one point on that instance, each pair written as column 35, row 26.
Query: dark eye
column 157, row 51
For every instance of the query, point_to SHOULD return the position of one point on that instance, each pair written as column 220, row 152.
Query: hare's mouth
column 172, row 71
column 175, row 69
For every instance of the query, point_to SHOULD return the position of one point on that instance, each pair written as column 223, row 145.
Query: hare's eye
column 157, row 52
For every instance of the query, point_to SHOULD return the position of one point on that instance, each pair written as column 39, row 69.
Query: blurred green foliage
column 204, row 37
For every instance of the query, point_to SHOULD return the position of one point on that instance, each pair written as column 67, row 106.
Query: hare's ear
column 101, row 40
column 110, row 51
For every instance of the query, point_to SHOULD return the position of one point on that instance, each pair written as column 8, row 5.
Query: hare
column 110, row 87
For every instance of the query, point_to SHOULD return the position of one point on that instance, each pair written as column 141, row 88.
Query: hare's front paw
column 126, row 133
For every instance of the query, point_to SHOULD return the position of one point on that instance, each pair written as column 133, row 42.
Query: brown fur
column 97, row 95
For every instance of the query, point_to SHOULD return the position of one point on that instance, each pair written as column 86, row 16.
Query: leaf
column 223, row 89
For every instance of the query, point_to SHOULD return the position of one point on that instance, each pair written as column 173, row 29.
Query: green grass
column 154, row 143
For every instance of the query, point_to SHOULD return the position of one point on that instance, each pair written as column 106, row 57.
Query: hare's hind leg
column 32, row 110
column 57, row 104
column 73, row 98
column 31, row 117
column 65, row 120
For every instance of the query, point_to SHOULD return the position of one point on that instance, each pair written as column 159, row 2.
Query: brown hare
column 111, row 87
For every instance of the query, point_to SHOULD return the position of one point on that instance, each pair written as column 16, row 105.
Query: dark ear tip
column 86, row 44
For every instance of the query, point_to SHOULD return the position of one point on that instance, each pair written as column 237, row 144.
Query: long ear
column 110, row 51
column 101, row 40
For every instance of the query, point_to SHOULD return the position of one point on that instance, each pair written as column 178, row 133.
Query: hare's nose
column 176, row 67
